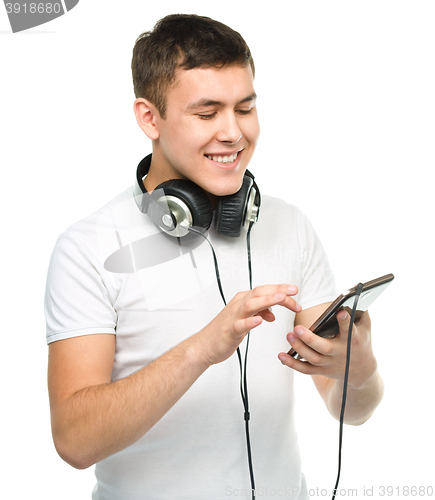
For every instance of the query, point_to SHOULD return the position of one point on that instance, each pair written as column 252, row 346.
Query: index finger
column 284, row 296
column 265, row 296
column 284, row 288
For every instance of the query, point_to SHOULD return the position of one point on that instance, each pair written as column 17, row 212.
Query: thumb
column 343, row 319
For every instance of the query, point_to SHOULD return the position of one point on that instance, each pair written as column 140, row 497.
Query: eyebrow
column 203, row 103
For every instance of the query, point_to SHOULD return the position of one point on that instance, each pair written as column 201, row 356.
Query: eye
column 207, row 117
column 244, row 111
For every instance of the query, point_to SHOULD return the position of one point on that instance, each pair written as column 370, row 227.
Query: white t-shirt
column 114, row 272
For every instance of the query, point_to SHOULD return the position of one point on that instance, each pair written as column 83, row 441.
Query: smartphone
column 327, row 326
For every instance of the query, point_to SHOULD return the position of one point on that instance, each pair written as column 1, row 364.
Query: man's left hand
column 327, row 357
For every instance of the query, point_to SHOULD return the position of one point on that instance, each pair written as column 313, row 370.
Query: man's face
column 210, row 130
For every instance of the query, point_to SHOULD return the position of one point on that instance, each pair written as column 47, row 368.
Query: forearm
column 92, row 418
column 361, row 401
column 101, row 420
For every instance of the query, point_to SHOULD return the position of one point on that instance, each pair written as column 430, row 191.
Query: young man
column 143, row 376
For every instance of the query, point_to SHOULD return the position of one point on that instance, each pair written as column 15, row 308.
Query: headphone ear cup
column 230, row 210
column 194, row 197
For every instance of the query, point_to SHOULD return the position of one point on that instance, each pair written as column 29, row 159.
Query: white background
column 347, row 107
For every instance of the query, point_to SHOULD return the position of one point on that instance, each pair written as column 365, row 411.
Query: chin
column 225, row 186
column 225, row 190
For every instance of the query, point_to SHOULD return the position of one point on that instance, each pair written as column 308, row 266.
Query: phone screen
column 327, row 326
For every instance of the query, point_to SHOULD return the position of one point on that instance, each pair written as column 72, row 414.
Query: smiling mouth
column 227, row 159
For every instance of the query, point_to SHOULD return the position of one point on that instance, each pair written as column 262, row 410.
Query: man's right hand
column 247, row 310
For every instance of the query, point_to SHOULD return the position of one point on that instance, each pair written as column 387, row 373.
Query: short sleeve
column 76, row 300
column 317, row 279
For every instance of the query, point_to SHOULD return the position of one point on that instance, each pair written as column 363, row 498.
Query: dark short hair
column 187, row 42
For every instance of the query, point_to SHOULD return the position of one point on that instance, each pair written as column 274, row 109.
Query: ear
column 146, row 116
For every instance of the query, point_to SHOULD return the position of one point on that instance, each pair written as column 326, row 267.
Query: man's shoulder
column 272, row 206
column 109, row 220
column 273, row 201
column 108, row 215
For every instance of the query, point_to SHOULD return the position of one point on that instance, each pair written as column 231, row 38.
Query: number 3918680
column 33, row 8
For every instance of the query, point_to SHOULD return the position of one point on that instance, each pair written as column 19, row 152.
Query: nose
column 229, row 129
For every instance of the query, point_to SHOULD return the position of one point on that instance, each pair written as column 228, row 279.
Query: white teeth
column 225, row 159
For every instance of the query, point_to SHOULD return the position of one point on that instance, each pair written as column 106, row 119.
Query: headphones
column 178, row 205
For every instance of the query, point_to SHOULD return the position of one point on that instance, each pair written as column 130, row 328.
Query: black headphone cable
column 243, row 366
column 244, row 389
column 243, row 376
column 345, row 382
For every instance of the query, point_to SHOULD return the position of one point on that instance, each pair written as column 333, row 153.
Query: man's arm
column 93, row 417
column 326, row 359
